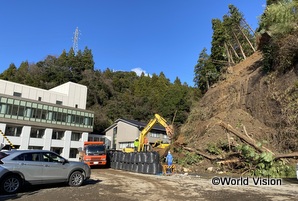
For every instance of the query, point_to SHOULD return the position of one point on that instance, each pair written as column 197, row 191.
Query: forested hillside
column 111, row 95
column 247, row 121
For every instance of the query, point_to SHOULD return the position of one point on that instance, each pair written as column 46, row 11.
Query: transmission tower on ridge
column 76, row 41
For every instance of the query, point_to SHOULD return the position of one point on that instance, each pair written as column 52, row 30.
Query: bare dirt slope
column 247, row 99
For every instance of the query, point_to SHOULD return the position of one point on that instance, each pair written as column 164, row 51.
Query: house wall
column 128, row 133
column 125, row 133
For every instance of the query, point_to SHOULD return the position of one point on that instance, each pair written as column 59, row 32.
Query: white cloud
column 139, row 71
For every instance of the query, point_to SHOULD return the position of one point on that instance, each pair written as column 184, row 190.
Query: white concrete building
column 55, row 119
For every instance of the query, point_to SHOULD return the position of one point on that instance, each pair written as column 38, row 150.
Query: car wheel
column 76, row 179
column 11, row 184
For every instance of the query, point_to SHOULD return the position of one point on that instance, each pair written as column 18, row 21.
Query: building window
column 17, row 94
column 13, row 131
column 57, row 135
column 58, row 102
column 41, row 112
column 76, row 106
column 21, row 111
column 38, row 114
column 37, row 133
column 35, row 147
column 8, row 147
column 57, row 150
column 73, row 153
column 63, row 118
column 123, row 145
column 155, row 135
column 15, row 110
column 75, row 136
column 44, row 114
column 8, row 109
column 93, row 139
column 39, row 98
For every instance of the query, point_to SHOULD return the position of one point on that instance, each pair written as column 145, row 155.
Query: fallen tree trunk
column 242, row 137
column 234, row 160
column 227, row 158
column 201, row 153
column 290, row 155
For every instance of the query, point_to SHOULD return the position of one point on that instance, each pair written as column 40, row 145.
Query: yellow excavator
column 159, row 143
column 146, row 159
column 157, row 119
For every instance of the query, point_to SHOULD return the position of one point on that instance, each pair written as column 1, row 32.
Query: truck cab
column 94, row 153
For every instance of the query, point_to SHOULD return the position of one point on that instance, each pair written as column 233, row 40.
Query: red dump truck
column 94, row 153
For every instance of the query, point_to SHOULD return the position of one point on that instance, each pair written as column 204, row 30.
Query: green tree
column 87, row 60
column 205, row 72
column 279, row 22
column 280, row 18
column 10, row 73
column 218, row 44
column 22, row 73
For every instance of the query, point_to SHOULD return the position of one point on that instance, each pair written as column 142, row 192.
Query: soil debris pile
column 256, row 105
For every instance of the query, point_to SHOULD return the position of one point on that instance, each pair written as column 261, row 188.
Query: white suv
column 21, row 167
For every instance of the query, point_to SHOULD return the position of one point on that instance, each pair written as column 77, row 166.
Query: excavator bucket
column 170, row 131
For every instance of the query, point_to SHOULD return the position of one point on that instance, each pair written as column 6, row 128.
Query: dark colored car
column 21, row 167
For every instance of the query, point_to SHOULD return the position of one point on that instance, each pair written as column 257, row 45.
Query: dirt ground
column 110, row 184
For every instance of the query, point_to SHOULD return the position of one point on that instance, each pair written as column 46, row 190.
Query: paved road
column 116, row 185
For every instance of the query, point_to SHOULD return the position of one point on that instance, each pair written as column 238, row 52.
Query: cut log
column 234, row 160
column 201, row 153
column 290, row 155
column 244, row 129
column 242, row 137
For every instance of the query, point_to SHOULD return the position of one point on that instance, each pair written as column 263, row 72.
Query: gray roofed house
column 123, row 132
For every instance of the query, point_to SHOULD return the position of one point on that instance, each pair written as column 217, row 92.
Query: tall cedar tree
column 205, row 72
column 218, row 44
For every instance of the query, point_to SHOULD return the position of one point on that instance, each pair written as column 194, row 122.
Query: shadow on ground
column 33, row 189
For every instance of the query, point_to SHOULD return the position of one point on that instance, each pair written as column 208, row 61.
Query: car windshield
column 95, row 149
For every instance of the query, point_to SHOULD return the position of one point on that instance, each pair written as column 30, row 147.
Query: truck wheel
column 76, row 179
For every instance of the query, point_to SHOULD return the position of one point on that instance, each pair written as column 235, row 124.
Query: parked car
column 22, row 167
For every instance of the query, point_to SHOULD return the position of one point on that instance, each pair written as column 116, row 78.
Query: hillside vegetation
column 247, row 122
column 111, row 94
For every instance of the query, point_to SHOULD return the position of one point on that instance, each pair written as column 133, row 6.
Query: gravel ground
column 109, row 184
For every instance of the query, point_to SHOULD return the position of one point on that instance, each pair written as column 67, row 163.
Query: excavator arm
column 157, row 119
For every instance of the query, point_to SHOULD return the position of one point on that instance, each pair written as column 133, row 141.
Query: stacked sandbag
column 140, row 162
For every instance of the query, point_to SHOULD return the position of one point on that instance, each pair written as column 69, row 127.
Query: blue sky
column 142, row 35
